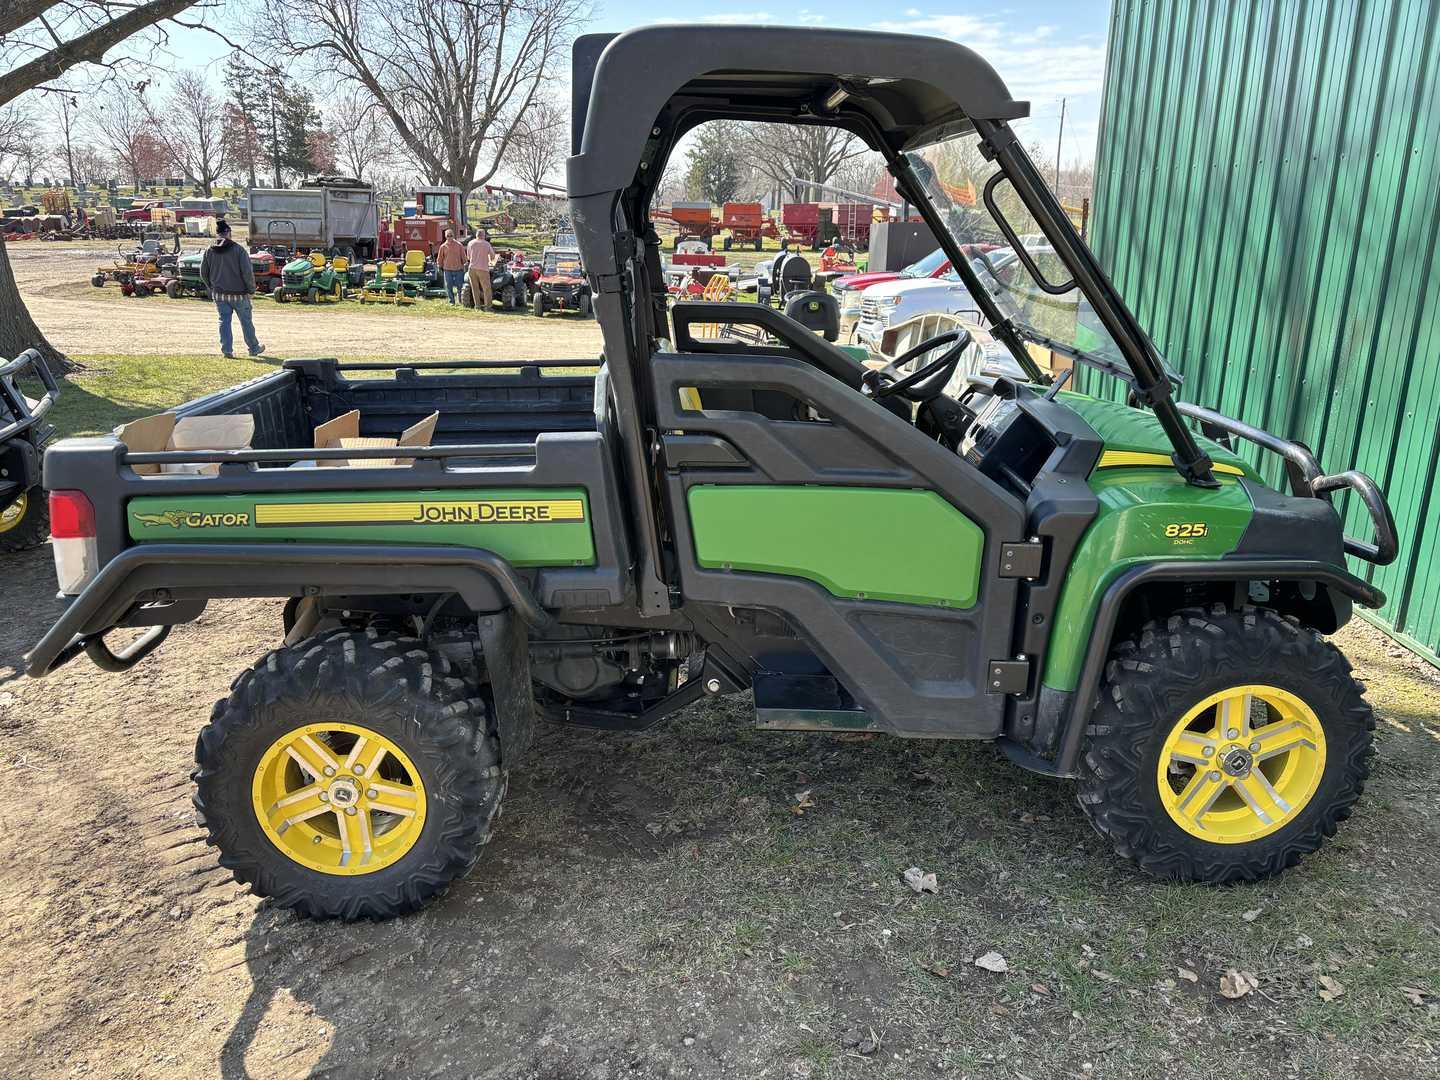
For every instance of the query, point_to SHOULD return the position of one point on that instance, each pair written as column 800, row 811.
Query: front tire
column 350, row 776
column 1226, row 745
column 537, row 305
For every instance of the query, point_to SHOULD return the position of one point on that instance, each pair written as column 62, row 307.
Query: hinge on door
column 1021, row 558
column 1008, row 677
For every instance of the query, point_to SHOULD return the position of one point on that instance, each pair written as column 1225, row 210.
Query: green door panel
column 1146, row 514
column 867, row 543
column 528, row 526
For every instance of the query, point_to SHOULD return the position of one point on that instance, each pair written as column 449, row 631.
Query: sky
column 1045, row 50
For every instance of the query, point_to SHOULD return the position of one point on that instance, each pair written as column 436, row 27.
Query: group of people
column 473, row 259
column 226, row 271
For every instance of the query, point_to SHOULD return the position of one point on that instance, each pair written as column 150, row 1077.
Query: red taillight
column 71, row 516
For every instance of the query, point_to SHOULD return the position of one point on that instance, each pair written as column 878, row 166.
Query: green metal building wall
column 1268, row 200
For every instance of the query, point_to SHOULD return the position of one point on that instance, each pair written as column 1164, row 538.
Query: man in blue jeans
column 228, row 276
column 451, row 259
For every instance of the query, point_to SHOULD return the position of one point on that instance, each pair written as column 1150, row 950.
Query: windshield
column 562, row 262
column 926, row 266
column 954, row 173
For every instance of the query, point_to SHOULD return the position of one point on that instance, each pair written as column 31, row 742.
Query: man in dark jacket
column 230, row 279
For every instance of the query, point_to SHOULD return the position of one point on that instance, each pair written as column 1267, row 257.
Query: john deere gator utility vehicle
column 1107, row 593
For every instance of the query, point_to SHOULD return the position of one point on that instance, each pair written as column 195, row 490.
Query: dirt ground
column 654, row 906
column 54, row 279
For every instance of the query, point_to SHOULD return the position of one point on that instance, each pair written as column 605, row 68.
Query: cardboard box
column 164, row 432
column 344, row 432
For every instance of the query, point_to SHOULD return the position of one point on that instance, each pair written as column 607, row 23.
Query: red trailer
column 801, row 223
column 748, row 224
column 852, row 222
column 694, row 220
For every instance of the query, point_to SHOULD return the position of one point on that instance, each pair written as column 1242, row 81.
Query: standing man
column 229, row 278
column 481, row 255
column 451, row 260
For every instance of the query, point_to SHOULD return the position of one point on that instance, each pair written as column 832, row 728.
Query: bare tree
column 17, row 135
column 63, row 109
column 452, row 76
column 783, row 151
column 540, row 143
column 192, row 129
column 34, row 53
column 125, row 131
column 364, row 139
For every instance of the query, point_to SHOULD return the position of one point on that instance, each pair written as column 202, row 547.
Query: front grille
column 870, row 310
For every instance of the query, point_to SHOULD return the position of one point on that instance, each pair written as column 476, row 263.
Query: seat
column 317, row 260
column 414, row 261
column 340, row 264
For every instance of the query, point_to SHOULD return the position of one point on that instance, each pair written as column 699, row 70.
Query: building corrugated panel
column 1268, row 200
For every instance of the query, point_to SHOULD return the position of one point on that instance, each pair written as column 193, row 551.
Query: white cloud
column 1033, row 64
column 738, row 17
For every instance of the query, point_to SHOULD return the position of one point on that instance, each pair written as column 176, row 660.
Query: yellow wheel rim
column 339, row 798
column 1241, row 764
column 12, row 514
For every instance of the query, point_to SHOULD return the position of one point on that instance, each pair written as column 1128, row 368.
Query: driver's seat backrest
column 317, row 260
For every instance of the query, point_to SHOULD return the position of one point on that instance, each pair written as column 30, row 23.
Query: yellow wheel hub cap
column 12, row 514
column 1241, row 764
column 339, row 798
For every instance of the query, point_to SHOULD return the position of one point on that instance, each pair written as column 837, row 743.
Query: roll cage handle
column 1020, row 252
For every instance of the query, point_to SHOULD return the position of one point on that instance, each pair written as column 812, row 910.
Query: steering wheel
column 926, row 382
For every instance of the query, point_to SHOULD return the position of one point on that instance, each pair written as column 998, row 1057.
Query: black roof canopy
column 909, row 89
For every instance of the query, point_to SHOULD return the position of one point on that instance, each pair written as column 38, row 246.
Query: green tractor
column 314, row 279
column 1126, row 593
column 186, row 279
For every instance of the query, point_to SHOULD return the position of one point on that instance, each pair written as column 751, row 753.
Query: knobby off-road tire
column 338, row 690
column 1155, row 681
column 25, row 523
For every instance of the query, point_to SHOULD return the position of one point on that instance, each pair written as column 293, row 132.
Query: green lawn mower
column 1124, row 591
column 314, row 279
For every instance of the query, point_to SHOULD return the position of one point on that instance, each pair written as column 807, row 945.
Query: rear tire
column 25, row 523
column 1206, row 813
column 98, row 281
column 435, row 742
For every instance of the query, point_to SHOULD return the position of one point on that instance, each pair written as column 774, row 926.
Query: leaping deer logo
column 173, row 518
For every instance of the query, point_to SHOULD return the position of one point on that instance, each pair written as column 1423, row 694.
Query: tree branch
column 89, row 47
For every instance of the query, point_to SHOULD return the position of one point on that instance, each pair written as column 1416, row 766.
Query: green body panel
column 430, row 516
column 1124, row 428
column 872, row 543
column 1136, row 507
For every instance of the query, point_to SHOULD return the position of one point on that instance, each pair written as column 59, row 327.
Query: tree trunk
column 18, row 331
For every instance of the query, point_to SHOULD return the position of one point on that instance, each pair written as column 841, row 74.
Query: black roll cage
column 919, row 90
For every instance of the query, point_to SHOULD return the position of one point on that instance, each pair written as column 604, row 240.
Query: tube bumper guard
column 1307, row 479
column 161, row 572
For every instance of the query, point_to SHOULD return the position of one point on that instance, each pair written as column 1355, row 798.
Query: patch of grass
column 109, row 390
